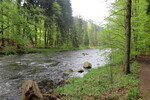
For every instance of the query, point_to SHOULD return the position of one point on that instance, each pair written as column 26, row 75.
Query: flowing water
column 47, row 69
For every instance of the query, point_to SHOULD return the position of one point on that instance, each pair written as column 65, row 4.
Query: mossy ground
column 102, row 84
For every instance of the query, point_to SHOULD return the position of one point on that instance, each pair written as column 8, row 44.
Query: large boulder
column 80, row 70
column 87, row 65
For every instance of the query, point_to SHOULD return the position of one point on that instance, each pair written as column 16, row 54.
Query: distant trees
column 87, row 32
column 43, row 23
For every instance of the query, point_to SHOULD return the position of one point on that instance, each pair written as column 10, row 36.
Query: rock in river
column 87, row 65
column 84, row 54
column 69, row 70
column 80, row 70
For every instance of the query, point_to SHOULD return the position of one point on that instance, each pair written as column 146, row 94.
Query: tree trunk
column 45, row 42
column 136, row 25
column 31, row 91
column 40, row 36
column 128, row 37
column 2, row 27
column 3, row 39
column 36, row 30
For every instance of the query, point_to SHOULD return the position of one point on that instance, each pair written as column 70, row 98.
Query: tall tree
column 128, row 37
column 2, row 25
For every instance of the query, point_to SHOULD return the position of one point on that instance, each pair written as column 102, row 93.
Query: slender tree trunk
column 45, row 42
column 40, row 36
column 3, row 40
column 2, row 27
column 136, row 25
column 35, row 36
column 48, row 40
column 128, row 37
column 13, row 32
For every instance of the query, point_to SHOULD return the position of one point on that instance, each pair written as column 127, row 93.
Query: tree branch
column 8, row 27
column 112, row 15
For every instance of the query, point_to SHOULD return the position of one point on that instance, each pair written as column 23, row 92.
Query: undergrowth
column 24, row 50
column 100, row 84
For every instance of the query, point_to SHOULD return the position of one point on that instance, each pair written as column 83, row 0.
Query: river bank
column 26, row 50
column 12, row 50
column 104, row 83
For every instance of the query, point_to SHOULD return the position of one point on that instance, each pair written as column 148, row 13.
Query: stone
column 80, row 70
column 84, row 54
column 87, row 65
column 69, row 70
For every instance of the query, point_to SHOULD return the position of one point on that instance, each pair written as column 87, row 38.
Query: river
column 47, row 69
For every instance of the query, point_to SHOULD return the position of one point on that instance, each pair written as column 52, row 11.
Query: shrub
column 9, row 50
column 133, row 94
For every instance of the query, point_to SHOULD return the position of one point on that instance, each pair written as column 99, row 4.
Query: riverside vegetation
column 103, row 84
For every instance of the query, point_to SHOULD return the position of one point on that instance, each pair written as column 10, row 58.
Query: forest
column 27, row 26
column 43, row 24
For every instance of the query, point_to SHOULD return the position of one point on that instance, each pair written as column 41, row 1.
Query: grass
column 98, row 84
column 13, row 50
column 51, row 50
column 44, row 50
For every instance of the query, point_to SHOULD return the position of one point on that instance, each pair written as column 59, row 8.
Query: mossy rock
column 80, row 70
column 87, row 65
column 69, row 70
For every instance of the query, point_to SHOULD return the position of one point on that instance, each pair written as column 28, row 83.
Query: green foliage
column 56, row 8
column 112, row 34
column 133, row 94
column 87, row 32
column 49, row 25
column 9, row 50
column 67, row 45
column 98, row 81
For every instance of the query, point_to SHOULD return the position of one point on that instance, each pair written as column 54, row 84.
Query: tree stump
column 31, row 91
